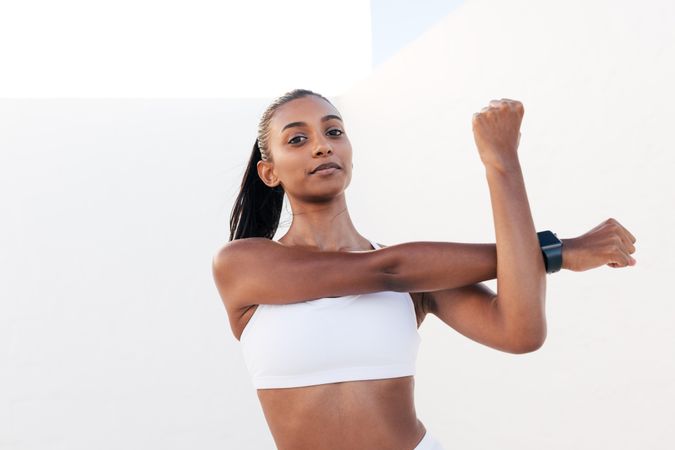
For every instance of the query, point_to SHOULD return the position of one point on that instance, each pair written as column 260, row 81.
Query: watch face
column 548, row 239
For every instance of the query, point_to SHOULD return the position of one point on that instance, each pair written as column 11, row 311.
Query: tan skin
column 380, row 414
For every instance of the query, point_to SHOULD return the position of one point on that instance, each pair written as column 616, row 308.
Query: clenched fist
column 496, row 130
column 610, row 243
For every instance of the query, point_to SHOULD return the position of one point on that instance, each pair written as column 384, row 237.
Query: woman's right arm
column 255, row 271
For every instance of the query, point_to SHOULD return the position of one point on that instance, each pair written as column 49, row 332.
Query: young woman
column 328, row 318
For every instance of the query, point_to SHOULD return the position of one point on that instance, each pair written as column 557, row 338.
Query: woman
column 328, row 319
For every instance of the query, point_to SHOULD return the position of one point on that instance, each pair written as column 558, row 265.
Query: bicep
column 472, row 311
column 261, row 271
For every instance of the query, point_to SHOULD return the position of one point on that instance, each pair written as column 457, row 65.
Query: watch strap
column 551, row 248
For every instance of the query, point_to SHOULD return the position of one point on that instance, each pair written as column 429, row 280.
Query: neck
column 324, row 227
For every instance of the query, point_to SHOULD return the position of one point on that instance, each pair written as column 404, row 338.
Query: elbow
column 530, row 345
column 384, row 263
column 527, row 333
column 389, row 281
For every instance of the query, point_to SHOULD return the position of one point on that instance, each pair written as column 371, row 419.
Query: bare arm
column 512, row 321
column 479, row 261
column 515, row 315
column 521, row 276
column 262, row 271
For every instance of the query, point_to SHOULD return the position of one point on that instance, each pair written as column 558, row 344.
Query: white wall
column 112, row 334
column 596, row 80
column 180, row 48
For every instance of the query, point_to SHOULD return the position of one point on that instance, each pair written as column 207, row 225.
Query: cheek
column 291, row 160
column 348, row 160
column 345, row 150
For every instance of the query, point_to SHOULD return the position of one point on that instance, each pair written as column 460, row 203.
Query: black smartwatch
column 551, row 248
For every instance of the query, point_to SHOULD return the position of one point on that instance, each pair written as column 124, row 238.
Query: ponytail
column 257, row 209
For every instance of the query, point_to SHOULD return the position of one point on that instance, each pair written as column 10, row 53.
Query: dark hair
column 257, row 209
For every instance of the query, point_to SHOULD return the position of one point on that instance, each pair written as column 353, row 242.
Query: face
column 305, row 133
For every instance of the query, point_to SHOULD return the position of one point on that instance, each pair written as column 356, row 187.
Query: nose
column 323, row 147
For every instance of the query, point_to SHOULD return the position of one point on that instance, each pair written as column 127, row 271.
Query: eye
column 295, row 137
column 291, row 141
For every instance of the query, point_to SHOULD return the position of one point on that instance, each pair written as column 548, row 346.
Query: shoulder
column 234, row 259
column 239, row 248
column 245, row 243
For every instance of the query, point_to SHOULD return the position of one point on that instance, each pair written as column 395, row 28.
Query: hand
column 496, row 130
column 608, row 243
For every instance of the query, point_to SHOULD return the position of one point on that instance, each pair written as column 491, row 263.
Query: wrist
column 567, row 252
column 503, row 167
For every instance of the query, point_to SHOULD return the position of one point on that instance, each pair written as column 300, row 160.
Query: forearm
column 479, row 261
column 431, row 266
column 521, row 274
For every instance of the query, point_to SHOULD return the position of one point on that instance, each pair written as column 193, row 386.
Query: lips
column 325, row 166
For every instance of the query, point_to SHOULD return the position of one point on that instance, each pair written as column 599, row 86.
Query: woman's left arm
column 514, row 318
column 470, row 310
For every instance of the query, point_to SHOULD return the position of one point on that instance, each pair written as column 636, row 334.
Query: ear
column 267, row 174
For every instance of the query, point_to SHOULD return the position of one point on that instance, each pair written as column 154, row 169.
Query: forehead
column 308, row 109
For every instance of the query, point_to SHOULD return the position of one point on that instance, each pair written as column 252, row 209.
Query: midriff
column 363, row 414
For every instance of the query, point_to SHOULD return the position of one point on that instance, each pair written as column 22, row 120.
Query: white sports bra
column 331, row 339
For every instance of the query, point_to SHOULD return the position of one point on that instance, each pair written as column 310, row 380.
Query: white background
column 112, row 334
column 181, row 48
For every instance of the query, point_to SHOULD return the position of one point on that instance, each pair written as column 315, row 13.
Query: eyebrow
column 301, row 124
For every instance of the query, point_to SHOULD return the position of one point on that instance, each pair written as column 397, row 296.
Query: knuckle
column 616, row 228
